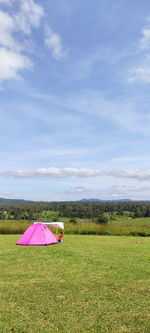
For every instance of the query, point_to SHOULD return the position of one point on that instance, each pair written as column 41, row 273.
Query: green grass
column 128, row 221
column 87, row 284
column 18, row 227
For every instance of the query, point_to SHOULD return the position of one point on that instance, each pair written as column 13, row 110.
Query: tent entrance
column 58, row 226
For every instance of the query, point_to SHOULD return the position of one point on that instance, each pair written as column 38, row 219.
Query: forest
column 93, row 210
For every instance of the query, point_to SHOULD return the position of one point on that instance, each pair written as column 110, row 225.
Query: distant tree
column 147, row 214
column 102, row 219
column 138, row 213
column 73, row 221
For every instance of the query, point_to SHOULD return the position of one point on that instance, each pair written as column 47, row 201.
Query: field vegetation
column 93, row 218
column 138, row 227
column 93, row 282
column 94, row 210
column 87, row 284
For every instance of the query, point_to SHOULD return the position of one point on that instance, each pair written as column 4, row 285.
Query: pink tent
column 37, row 234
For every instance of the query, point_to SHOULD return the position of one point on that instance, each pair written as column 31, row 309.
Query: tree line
column 28, row 210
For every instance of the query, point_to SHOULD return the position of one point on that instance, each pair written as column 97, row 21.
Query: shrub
column 102, row 219
column 73, row 221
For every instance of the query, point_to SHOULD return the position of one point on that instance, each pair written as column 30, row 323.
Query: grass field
column 87, row 284
column 135, row 227
column 142, row 221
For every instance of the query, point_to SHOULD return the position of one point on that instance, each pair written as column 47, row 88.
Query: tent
column 37, row 234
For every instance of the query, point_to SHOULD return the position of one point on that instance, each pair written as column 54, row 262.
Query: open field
column 88, row 284
column 142, row 221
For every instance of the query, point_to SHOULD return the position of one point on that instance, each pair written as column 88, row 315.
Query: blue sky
column 74, row 99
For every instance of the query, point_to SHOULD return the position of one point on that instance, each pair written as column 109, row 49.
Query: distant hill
column 100, row 200
column 14, row 200
column 4, row 201
column 17, row 202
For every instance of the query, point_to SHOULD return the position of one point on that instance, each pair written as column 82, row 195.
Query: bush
column 102, row 219
column 73, row 221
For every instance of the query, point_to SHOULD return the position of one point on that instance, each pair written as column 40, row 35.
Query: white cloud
column 6, row 193
column 13, row 57
column 54, row 43
column 115, row 196
column 11, row 63
column 7, row 28
column 123, row 190
column 138, row 174
column 79, row 190
column 29, row 16
column 6, row 21
column 144, row 43
column 141, row 74
column 121, row 112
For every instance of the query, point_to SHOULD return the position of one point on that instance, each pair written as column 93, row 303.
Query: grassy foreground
column 88, row 284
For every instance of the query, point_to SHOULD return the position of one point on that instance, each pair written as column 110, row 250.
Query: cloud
column 11, row 63
column 13, row 58
column 144, row 43
column 54, row 43
column 138, row 174
column 140, row 74
column 6, row 193
column 123, row 113
column 7, row 27
column 29, row 16
column 79, row 190
column 115, row 196
column 119, row 112
column 128, row 189
column 19, row 26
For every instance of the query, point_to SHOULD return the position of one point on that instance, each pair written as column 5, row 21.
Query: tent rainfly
column 59, row 225
column 37, row 234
